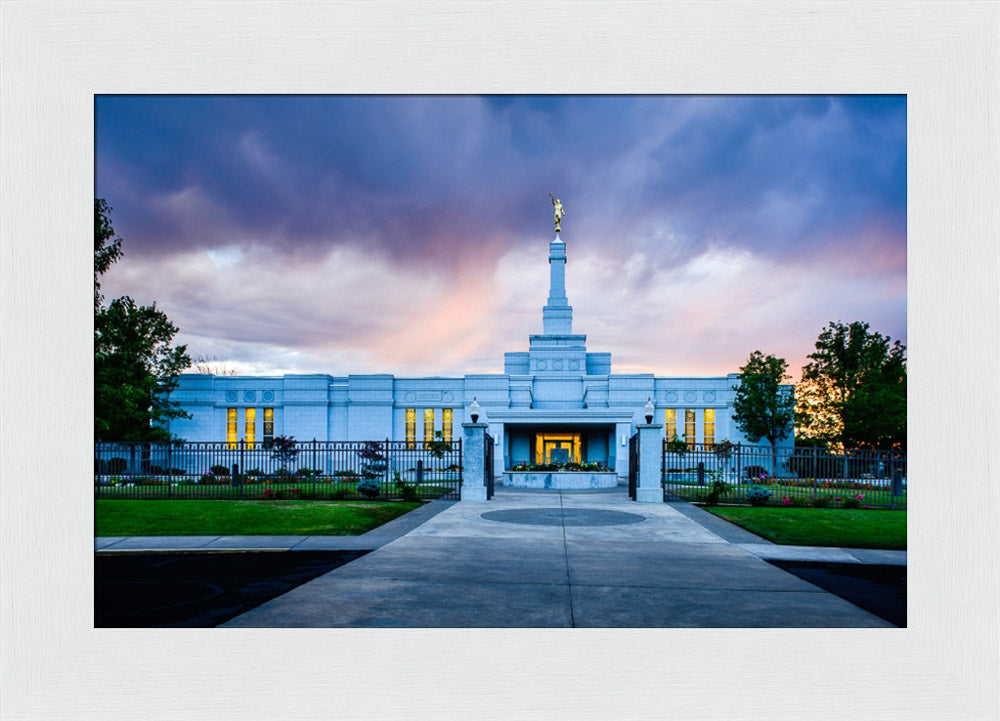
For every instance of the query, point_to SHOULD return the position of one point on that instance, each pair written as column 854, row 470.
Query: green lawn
column 245, row 518
column 821, row 526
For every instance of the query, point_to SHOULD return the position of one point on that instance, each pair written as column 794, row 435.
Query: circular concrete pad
column 563, row 517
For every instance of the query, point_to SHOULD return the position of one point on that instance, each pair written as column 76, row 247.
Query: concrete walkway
column 445, row 565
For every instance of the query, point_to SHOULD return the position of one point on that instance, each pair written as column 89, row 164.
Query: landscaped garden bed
column 788, row 492
column 302, row 485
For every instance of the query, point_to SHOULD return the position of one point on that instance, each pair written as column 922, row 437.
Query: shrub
column 116, row 465
column 821, row 502
column 676, row 445
column 219, row 471
column 254, row 472
column 178, row 472
column 290, row 494
column 715, row 492
column 340, row 494
column 369, row 488
column 408, row 490
column 282, row 473
column 754, row 471
column 269, row 494
column 157, row 470
column 758, row 496
column 346, row 474
column 854, row 502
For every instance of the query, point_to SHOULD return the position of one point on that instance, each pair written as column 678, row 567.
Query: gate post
column 474, row 462
column 650, row 488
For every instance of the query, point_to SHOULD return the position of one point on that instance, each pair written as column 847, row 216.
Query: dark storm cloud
column 216, row 196
column 403, row 173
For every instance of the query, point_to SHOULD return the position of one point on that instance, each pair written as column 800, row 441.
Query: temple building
column 556, row 401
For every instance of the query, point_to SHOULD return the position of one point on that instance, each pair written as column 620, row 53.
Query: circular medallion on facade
column 249, row 396
column 410, row 396
column 542, row 365
column 447, row 396
column 268, row 396
column 574, row 365
column 230, row 395
column 690, row 397
column 709, row 396
column 557, row 365
column 671, row 397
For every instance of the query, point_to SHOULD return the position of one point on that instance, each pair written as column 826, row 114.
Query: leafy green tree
column 135, row 367
column 763, row 408
column 854, row 388
column 107, row 246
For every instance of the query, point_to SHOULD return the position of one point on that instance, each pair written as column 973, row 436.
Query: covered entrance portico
column 536, row 437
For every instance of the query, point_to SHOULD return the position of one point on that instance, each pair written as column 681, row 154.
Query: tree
column 762, row 407
column 854, row 388
column 135, row 367
column 105, row 252
column 213, row 366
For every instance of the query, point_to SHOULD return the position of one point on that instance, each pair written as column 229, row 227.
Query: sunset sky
column 409, row 234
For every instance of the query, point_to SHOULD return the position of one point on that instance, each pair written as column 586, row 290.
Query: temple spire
column 557, row 315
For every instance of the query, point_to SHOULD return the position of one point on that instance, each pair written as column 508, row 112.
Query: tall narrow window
column 709, row 428
column 411, row 427
column 251, row 427
column 670, row 417
column 268, row 427
column 231, row 435
column 689, row 437
column 446, row 422
column 428, row 426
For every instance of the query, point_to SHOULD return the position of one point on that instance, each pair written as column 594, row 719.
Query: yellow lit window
column 670, row 418
column 564, row 446
column 709, row 428
column 689, row 427
column 268, row 427
column 251, row 426
column 446, row 423
column 428, row 426
column 231, row 436
column 411, row 427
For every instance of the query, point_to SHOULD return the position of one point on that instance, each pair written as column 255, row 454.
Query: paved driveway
column 559, row 559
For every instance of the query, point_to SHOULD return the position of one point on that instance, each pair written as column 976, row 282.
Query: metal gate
column 488, row 464
column 633, row 465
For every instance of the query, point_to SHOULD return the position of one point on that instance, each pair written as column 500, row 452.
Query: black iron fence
column 488, row 465
column 348, row 470
column 735, row 473
column 633, row 466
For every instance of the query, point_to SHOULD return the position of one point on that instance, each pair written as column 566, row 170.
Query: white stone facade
column 556, row 387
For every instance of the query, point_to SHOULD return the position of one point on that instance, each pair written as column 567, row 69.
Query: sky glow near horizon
column 409, row 234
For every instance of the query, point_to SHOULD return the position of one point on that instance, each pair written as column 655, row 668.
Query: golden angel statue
column 559, row 212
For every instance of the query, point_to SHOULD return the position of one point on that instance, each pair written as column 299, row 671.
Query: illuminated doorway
column 557, row 448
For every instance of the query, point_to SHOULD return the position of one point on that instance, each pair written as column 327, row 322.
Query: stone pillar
column 474, row 462
column 650, row 489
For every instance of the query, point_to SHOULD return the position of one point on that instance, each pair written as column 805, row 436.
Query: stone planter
column 566, row 480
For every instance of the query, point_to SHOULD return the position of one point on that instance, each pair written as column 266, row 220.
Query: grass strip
column 243, row 518
column 821, row 526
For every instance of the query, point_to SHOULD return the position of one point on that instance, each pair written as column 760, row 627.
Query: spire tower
column 557, row 315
